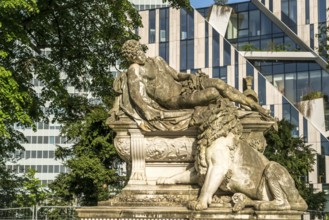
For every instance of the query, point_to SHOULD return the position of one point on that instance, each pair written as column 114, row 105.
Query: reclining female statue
column 159, row 98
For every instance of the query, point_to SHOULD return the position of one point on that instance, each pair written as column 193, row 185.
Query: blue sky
column 205, row 3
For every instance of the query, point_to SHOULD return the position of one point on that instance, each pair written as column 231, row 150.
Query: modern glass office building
column 258, row 39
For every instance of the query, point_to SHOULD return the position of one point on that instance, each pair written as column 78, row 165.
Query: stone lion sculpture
column 225, row 162
column 157, row 97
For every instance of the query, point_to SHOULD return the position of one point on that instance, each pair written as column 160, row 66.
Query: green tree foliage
column 61, row 44
column 92, row 161
column 297, row 157
column 31, row 192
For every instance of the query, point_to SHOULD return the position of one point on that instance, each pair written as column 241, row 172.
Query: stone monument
column 192, row 152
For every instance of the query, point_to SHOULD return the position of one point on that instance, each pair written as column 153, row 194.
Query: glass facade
column 250, row 29
column 295, row 79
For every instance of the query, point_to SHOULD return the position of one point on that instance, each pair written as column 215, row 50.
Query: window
column 51, row 154
column 305, row 130
column 312, row 36
column 39, row 168
column 270, row 5
column 152, row 26
column 51, row 140
column 215, row 48
column 50, row 169
column 254, row 23
column 187, row 40
column 290, row 86
column 322, row 9
column 164, row 25
column 261, row 90
column 227, row 53
column 56, row 170
column 45, row 169
column 289, row 13
column 45, row 154
column 307, row 11
column 206, row 45
column 39, row 154
column 27, row 154
column 34, row 154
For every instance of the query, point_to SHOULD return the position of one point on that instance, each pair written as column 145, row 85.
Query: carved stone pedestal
column 181, row 213
column 153, row 155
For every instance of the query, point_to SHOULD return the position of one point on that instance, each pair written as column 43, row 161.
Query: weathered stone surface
column 181, row 213
column 177, row 130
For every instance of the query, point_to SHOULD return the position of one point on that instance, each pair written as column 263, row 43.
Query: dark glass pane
column 290, row 67
column 39, row 154
column 278, row 68
column 27, row 154
column 290, row 87
column 278, row 81
column 266, row 25
column 183, row 24
column 51, row 154
column 190, row 20
column 45, row 139
column 302, row 84
column 295, row 121
column 152, row 26
column 164, row 25
column 190, row 54
column 305, row 130
column 243, row 7
column 45, row 154
column 215, row 72
column 227, row 53
column 215, row 48
column 307, row 11
column 315, row 80
column 254, row 23
column 271, row 5
column 322, row 9
column 45, row 169
column 243, row 20
column 325, row 83
column 56, row 169
column 50, row 169
column 261, row 89
column 302, row 66
column 223, row 73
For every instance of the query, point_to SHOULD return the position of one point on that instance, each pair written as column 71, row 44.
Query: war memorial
column 194, row 147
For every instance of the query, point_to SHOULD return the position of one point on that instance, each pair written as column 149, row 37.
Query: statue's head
column 133, row 52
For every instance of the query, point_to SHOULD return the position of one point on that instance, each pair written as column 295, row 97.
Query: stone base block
column 180, row 213
column 154, row 195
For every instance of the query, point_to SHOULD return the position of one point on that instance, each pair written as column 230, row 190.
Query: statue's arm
column 135, row 93
column 176, row 75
